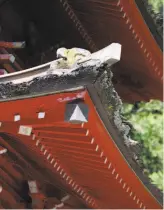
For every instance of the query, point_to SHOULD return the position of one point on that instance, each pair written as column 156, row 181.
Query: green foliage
column 156, row 4
column 147, row 120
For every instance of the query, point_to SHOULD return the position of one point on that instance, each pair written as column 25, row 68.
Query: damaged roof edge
column 49, row 77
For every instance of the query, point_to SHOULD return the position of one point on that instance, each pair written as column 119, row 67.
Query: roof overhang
column 122, row 21
column 77, row 133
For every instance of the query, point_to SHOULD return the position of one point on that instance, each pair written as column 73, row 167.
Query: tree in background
column 157, row 5
column 147, row 120
column 155, row 9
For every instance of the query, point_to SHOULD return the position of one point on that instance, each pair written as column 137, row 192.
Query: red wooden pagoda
column 63, row 143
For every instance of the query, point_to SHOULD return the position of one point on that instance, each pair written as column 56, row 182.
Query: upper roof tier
column 90, row 24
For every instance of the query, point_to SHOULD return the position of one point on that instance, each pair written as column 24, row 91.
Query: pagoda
column 63, row 143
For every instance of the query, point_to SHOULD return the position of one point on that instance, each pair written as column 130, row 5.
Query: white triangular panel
column 78, row 115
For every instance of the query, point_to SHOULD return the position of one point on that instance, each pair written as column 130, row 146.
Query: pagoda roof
column 57, row 120
column 94, row 24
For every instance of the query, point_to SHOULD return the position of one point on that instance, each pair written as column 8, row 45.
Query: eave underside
column 72, row 153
